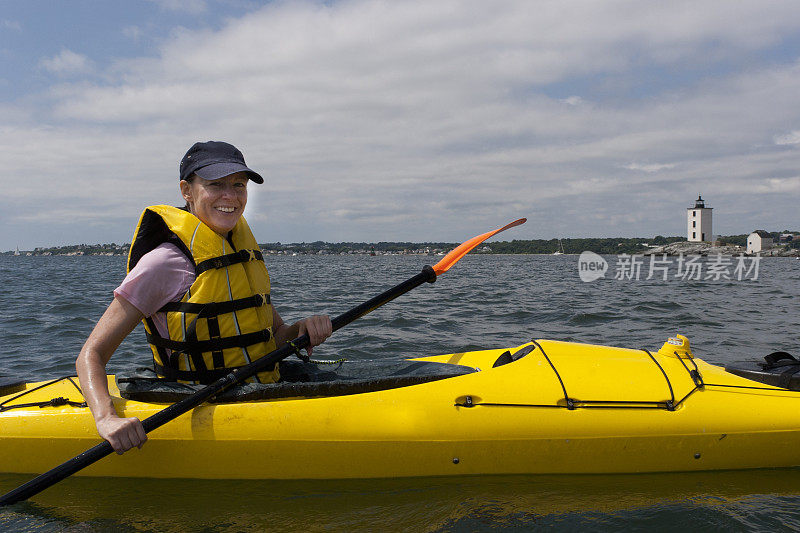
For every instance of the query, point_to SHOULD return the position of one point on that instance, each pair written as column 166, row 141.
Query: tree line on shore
column 604, row 245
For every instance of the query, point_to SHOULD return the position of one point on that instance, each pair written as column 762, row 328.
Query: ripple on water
column 655, row 307
column 585, row 319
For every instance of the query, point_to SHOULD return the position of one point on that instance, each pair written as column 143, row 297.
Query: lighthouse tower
column 699, row 221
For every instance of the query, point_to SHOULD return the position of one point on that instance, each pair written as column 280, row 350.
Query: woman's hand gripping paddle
column 92, row 455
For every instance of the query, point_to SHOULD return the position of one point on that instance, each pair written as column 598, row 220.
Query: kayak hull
column 564, row 408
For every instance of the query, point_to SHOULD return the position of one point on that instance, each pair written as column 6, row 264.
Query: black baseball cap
column 213, row 160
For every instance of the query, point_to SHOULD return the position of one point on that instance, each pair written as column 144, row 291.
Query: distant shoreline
column 726, row 245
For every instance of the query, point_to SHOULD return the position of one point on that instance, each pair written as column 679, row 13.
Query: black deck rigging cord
column 54, row 402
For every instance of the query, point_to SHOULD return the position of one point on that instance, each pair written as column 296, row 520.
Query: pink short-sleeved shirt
column 162, row 275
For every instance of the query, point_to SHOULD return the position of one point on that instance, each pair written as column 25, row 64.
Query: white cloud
column 652, row 167
column 787, row 139
column 132, row 32
column 184, row 6
column 67, row 63
column 13, row 25
column 778, row 185
column 382, row 120
column 572, row 100
column 404, row 53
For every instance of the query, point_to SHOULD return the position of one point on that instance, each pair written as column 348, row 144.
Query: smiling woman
column 197, row 279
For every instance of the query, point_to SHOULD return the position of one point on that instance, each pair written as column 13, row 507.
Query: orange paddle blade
column 462, row 249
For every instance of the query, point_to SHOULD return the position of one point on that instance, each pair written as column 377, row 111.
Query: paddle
column 428, row 274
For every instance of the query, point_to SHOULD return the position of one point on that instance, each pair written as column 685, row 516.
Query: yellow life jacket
column 224, row 320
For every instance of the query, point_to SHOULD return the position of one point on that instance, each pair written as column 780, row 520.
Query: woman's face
column 218, row 203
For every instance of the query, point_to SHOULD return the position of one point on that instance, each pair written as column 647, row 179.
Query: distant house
column 786, row 237
column 758, row 241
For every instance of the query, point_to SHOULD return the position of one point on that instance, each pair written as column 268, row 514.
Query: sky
column 403, row 120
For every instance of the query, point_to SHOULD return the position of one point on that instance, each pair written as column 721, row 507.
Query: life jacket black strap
column 235, row 341
column 217, row 308
column 217, row 357
column 242, row 256
column 203, row 377
column 200, row 367
column 162, row 353
column 208, row 376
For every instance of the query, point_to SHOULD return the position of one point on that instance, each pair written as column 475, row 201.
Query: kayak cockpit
column 301, row 380
column 779, row 369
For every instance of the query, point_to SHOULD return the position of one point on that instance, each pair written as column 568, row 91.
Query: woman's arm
column 116, row 323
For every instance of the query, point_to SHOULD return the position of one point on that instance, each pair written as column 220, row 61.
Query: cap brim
column 216, row 171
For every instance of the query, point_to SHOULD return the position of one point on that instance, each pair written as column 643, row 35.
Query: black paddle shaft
column 92, row 455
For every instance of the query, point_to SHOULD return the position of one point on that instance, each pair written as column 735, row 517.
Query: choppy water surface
column 50, row 304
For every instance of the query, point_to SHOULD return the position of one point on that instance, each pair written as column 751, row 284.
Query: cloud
column 572, row 100
column 407, row 53
column 182, row 6
column 653, row 167
column 778, row 185
column 13, row 25
column 375, row 120
column 133, row 33
column 787, row 139
column 67, row 63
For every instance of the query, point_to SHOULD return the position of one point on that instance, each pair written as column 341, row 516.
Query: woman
column 197, row 279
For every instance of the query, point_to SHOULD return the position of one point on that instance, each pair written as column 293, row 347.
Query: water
column 50, row 305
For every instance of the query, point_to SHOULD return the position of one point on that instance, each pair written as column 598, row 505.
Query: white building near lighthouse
column 699, row 221
column 758, row 241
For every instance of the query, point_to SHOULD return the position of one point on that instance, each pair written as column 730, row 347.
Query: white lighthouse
column 699, row 221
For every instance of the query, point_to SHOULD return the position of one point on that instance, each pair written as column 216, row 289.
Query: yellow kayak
column 544, row 407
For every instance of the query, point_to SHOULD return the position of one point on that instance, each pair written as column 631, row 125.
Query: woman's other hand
column 318, row 328
column 122, row 433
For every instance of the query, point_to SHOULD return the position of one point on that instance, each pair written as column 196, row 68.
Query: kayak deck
column 558, row 407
